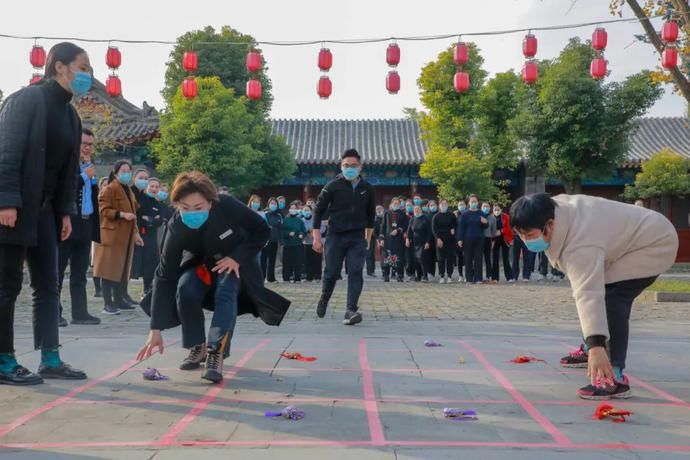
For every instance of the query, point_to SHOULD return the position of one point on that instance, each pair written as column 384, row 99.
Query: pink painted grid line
column 545, row 423
column 370, row 405
column 171, row 435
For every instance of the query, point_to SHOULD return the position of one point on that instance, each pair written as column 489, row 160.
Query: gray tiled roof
column 654, row 134
column 384, row 142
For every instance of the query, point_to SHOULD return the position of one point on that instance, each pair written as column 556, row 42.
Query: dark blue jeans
column 191, row 292
column 350, row 247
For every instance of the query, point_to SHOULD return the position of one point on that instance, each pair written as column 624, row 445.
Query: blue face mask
column 293, row 212
column 94, row 181
column 141, row 184
column 462, row 208
column 425, row 209
column 81, row 83
column 256, row 205
column 486, row 211
column 273, row 207
column 474, row 205
column 152, row 195
column 162, row 196
column 281, row 205
column 417, row 202
column 433, row 209
column 350, row 173
column 125, row 178
column 537, row 244
column 409, row 208
column 307, row 214
column 194, row 219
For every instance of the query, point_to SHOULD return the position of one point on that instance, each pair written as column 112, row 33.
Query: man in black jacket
column 350, row 202
column 85, row 229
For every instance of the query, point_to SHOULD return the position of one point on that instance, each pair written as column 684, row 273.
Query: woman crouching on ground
column 209, row 260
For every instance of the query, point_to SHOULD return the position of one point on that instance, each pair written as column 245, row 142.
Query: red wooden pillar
column 306, row 192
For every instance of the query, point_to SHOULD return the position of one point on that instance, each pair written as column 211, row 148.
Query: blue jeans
column 191, row 292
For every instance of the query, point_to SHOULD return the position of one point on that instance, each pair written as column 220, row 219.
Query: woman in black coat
column 393, row 229
column 150, row 217
column 208, row 244
column 274, row 218
column 421, row 238
column 40, row 138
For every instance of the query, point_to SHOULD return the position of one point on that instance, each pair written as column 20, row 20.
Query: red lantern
column 599, row 39
column 37, row 57
column 190, row 88
column 324, row 88
column 461, row 82
column 325, row 60
column 113, row 86
column 35, row 78
column 598, row 68
column 190, row 61
column 529, row 46
column 393, row 55
column 393, row 82
column 461, row 54
column 669, row 32
column 669, row 58
column 254, row 89
column 253, row 61
column 113, row 57
column 530, row 72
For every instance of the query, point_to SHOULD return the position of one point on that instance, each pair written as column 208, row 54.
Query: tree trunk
column 680, row 79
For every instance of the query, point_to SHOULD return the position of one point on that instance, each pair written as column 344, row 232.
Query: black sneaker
column 322, row 307
column 352, row 318
column 87, row 320
column 214, row 366
column 20, row 376
column 126, row 305
column 575, row 359
column 111, row 310
column 62, row 322
column 63, row 371
column 130, row 300
column 619, row 390
column 197, row 355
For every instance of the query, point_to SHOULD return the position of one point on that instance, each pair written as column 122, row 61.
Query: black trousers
column 519, row 248
column 501, row 248
column 292, row 268
column 268, row 261
column 351, row 248
column 151, row 258
column 312, row 263
column 619, row 299
column 424, row 262
column 76, row 253
column 446, row 257
column 488, row 259
column 460, row 253
column 409, row 260
column 42, row 260
column 473, row 259
column 371, row 256
column 114, row 292
column 97, row 284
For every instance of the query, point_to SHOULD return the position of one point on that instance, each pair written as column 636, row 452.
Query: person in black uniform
column 420, row 236
column 462, row 207
column 150, row 217
column 40, row 137
column 471, row 239
column 351, row 206
column 443, row 227
column 393, row 227
column 371, row 253
column 408, row 259
column 76, row 250
column 274, row 218
column 209, row 260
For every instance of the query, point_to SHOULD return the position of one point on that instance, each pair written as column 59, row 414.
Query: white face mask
column 443, row 207
column 497, row 213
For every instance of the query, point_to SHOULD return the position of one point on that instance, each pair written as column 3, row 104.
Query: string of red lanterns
column 393, row 77
column 324, row 87
column 113, row 59
column 190, row 63
column 669, row 35
column 37, row 58
column 461, row 80
column 253, row 64
column 599, row 41
column 530, row 71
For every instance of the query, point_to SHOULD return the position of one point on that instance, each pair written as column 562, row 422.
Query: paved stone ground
column 375, row 391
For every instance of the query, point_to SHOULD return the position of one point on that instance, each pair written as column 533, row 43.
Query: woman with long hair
column 40, row 139
column 209, row 260
column 117, row 208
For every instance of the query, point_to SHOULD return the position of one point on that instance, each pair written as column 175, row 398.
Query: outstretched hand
column 154, row 341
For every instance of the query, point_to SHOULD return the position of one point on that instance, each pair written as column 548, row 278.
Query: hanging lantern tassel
column 607, row 411
column 36, row 78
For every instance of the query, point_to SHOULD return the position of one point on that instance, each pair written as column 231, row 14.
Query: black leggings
column 446, row 257
column 268, row 261
column 473, row 259
column 292, row 263
column 487, row 257
column 501, row 248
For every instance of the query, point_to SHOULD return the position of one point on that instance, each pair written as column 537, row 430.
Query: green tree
column 217, row 58
column 219, row 134
column 663, row 175
column 574, row 126
column 457, row 174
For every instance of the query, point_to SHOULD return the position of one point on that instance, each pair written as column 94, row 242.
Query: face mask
column 417, row 202
column 162, row 196
column 81, row 83
column 395, row 207
column 418, row 214
column 497, row 213
column 293, row 212
column 152, row 195
column 486, row 211
column 350, row 173
column 141, row 183
column 474, row 205
column 281, row 205
column 379, row 214
column 444, row 208
column 409, row 208
column 462, row 207
column 425, row 209
column 194, row 219
column 537, row 244
column 255, row 205
column 125, row 178
column 307, row 214
column 273, row 207
column 94, row 181
column 433, row 209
